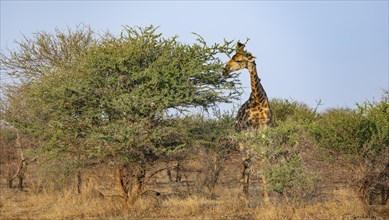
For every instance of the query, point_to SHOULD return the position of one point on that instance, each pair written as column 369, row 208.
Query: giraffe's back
column 253, row 115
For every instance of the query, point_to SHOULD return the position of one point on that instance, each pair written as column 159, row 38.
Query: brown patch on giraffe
column 255, row 114
column 257, row 120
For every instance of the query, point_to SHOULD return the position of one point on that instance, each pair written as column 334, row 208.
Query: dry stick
column 158, row 171
column 119, row 181
column 9, row 172
column 23, row 163
column 18, row 146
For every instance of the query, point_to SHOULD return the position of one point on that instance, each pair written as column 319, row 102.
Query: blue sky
column 335, row 51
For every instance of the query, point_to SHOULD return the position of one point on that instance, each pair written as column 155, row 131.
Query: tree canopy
column 107, row 97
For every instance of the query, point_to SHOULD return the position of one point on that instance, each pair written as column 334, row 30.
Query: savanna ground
column 334, row 196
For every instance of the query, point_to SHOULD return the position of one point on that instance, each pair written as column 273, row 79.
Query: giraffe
column 254, row 114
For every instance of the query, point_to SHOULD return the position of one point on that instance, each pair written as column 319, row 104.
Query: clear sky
column 336, row 51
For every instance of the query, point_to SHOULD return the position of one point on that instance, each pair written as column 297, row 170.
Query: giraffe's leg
column 246, row 176
column 245, row 169
column 264, row 183
column 265, row 194
column 241, row 148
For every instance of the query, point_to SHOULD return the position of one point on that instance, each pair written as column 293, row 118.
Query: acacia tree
column 106, row 99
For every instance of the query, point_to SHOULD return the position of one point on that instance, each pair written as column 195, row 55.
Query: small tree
column 374, row 156
column 107, row 99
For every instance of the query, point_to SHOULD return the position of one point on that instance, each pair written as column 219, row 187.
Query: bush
column 342, row 130
column 373, row 173
column 288, row 110
column 354, row 132
column 377, row 116
column 360, row 136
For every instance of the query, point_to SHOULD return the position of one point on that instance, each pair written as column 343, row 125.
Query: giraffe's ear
column 250, row 58
column 240, row 47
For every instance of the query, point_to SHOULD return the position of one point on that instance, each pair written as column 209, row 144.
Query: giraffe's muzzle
column 226, row 72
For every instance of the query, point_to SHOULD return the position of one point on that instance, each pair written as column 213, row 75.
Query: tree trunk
column 169, row 174
column 9, row 179
column 78, row 182
column 130, row 183
column 178, row 176
column 23, row 169
column 20, row 177
column 119, row 181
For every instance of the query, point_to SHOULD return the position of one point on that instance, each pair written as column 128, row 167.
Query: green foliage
column 354, row 132
column 283, row 143
column 284, row 168
column 377, row 117
column 212, row 134
column 290, row 179
column 107, row 98
column 288, row 110
column 339, row 129
column 374, row 156
column 163, row 72
column 7, row 135
column 8, row 148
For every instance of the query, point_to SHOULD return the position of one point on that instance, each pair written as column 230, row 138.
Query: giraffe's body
column 255, row 113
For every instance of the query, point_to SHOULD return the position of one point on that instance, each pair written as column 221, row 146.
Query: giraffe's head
column 239, row 60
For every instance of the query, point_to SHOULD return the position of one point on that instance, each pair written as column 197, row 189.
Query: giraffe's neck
column 257, row 91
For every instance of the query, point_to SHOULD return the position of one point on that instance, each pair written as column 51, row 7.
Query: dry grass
column 99, row 200
column 343, row 205
column 231, row 204
column 24, row 205
column 67, row 205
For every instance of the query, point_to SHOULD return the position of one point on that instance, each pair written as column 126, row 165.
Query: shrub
column 288, row 110
column 372, row 178
column 354, row 132
column 343, row 130
column 376, row 115
column 360, row 136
